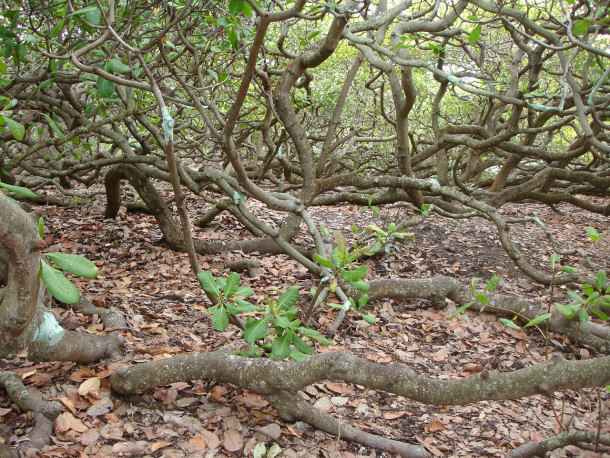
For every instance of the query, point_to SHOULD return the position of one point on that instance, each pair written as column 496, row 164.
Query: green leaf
column 55, row 128
column 236, row 7
column 368, row 318
column 300, row 345
column 482, row 298
column 58, row 285
column 569, row 310
column 212, row 73
column 569, row 270
column 493, row 282
column 241, row 306
column 91, row 14
column 324, row 231
column 281, row 347
column 460, row 309
column 232, row 38
column 256, row 329
column 75, row 264
column 583, row 316
column 289, row 298
column 206, row 280
column 376, row 229
column 353, row 275
column 475, row 34
column 16, row 129
column 220, row 318
column 41, row 227
column 404, row 235
column 290, row 313
column 323, row 261
column 581, row 26
column 340, row 241
column 510, row 323
column 600, row 280
column 116, row 66
column 105, row 88
column 360, row 286
column 57, row 29
column 231, row 284
column 473, row 285
column 363, row 300
column 243, row 291
column 25, row 192
column 601, row 315
column 335, row 257
column 391, row 227
column 539, row 319
column 45, row 84
column 311, row 333
column 282, row 322
column 593, row 234
column 296, row 355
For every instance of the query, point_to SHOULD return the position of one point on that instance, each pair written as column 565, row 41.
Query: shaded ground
column 166, row 312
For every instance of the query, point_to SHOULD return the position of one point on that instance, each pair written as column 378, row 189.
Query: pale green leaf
column 289, row 298
column 58, row 285
column 220, row 318
column 206, row 279
column 25, row 192
column 16, row 129
column 510, row 323
column 231, row 284
column 281, row 347
column 256, row 329
column 539, row 319
column 75, row 264
column 354, row 275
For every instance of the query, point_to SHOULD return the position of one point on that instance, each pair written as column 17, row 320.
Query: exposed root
column 292, row 407
column 77, row 347
column 553, row 443
column 437, row 289
column 279, row 381
column 45, row 412
column 112, row 319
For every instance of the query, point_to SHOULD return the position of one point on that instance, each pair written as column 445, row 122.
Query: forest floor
column 166, row 311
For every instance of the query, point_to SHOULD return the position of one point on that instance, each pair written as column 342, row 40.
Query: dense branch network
column 457, row 107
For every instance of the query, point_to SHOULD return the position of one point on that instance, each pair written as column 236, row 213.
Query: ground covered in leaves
column 166, row 312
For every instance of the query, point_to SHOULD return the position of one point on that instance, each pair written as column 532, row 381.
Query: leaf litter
column 166, row 311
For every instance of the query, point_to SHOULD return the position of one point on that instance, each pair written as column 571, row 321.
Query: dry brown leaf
column 218, row 392
column 89, row 437
column 233, row 441
column 68, row 403
column 272, row 430
column 27, row 374
column 159, row 445
column 434, row 426
column 90, row 385
column 251, row 399
column 474, row 369
column 66, row 421
column 395, row 414
column 338, row 388
column 198, row 441
column 211, row 438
